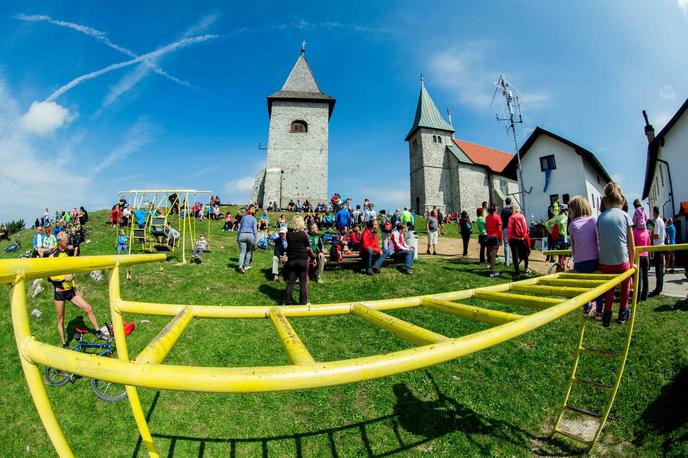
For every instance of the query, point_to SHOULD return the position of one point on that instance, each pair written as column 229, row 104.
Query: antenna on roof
column 303, row 46
column 514, row 109
column 421, row 77
column 449, row 117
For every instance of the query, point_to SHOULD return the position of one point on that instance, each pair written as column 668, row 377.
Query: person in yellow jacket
column 65, row 290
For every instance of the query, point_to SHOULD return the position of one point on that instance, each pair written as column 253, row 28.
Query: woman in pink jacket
column 516, row 235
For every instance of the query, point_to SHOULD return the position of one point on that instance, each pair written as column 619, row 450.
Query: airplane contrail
column 101, row 37
column 144, row 57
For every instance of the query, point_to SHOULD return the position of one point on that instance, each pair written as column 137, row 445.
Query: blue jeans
column 406, row 256
column 367, row 256
column 506, row 247
column 247, row 243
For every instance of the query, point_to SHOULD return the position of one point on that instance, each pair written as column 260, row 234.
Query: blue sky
column 173, row 94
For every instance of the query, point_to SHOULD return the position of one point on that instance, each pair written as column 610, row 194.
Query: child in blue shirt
column 122, row 240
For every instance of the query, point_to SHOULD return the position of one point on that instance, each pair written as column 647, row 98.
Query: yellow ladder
column 575, row 380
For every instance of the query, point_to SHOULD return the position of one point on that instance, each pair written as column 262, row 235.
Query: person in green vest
column 558, row 227
column 408, row 219
column 482, row 234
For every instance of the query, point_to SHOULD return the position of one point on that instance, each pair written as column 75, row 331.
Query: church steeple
column 301, row 85
column 427, row 114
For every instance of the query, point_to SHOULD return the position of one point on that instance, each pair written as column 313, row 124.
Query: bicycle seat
column 82, row 331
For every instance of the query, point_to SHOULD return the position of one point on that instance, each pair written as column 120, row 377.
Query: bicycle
column 106, row 391
column 563, row 263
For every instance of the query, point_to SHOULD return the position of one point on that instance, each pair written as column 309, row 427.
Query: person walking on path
column 658, row 236
column 670, row 240
column 248, row 236
column 641, row 237
column 505, row 214
column 432, row 227
column 517, row 233
column 299, row 254
column 465, row 229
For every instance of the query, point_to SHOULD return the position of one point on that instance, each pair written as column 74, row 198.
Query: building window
column 299, row 127
column 565, row 198
column 434, row 138
column 593, row 201
column 552, row 197
column 598, row 179
column 439, row 139
column 547, row 163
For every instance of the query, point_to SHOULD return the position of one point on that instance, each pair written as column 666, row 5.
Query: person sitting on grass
column 280, row 253
column 370, row 248
column 172, row 236
column 617, row 249
column 75, row 240
column 49, row 241
column 122, row 242
column 228, row 223
column 264, row 222
column 39, row 243
column 318, row 247
column 493, row 227
column 65, row 291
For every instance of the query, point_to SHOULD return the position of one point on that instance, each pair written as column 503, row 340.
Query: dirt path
column 453, row 247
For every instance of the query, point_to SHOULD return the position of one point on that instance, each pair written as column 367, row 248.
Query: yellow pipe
column 156, row 351
column 470, row 312
column 123, row 356
column 562, row 291
column 570, row 282
column 557, row 253
column 296, row 350
column 518, row 299
column 45, row 267
column 22, row 335
column 281, row 378
column 575, row 275
column 400, row 328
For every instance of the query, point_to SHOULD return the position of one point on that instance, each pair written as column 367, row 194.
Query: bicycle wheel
column 554, row 268
column 57, row 377
column 108, row 391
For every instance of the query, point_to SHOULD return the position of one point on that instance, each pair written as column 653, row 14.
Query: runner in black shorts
column 65, row 291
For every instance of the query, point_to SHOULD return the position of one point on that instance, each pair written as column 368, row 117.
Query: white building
column 553, row 166
column 665, row 184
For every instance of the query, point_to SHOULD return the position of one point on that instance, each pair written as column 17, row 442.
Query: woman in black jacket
column 299, row 253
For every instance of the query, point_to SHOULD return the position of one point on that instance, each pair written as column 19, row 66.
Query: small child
column 639, row 216
column 616, row 249
column 201, row 246
column 122, row 240
column 584, row 245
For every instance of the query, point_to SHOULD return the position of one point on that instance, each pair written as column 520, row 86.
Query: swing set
column 154, row 212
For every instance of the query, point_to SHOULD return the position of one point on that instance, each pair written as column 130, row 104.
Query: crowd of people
column 48, row 227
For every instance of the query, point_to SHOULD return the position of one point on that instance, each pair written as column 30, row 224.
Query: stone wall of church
column 473, row 188
column 302, row 156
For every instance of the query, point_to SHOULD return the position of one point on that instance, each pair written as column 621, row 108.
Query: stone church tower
column 296, row 167
column 431, row 177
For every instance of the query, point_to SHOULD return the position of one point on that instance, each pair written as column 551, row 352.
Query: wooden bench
column 352, row 260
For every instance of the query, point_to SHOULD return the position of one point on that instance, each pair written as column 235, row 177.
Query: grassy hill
column 498, row 402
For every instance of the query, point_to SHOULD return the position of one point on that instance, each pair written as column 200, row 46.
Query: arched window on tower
column 299, row 127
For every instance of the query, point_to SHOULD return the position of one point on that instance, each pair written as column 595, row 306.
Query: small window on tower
column 439, row 139
column 434, row 138
column 299, row 127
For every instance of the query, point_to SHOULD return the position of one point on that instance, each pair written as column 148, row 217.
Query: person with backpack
column 517, row 234
column 386, row 226
column 465, row 230
column 505, row 214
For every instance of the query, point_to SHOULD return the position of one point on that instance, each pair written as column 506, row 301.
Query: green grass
column 498, row 402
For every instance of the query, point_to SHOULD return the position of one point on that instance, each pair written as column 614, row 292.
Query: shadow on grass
column 77, row 322
column 665, row 420
column 414, row 423
column 276, row 293
column 679, row 306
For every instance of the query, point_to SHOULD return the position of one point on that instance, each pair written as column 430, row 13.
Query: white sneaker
column 248, row 267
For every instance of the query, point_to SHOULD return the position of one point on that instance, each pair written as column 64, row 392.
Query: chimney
column 649, row 130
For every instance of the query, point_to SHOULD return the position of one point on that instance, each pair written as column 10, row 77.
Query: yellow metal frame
column 147, row 369
column 186, row 224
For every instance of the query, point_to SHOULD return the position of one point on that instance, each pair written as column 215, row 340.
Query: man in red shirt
column 493, row 227
column 370, row 249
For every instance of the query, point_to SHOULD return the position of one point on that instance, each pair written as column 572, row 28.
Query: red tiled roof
column 494, row 159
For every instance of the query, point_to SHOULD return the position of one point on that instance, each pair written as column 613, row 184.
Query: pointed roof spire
column 301, row 85
column 427, row 114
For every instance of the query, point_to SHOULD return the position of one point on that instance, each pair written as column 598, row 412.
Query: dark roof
column 427, row 114
column 653, row 148
column 301, row 85
column 512, row 167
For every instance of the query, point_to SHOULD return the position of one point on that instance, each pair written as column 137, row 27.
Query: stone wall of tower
column 430, row 170
column 302, row 156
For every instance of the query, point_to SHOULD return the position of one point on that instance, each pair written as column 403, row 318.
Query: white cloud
column 144, row 57
column 464, row 72
column 668, row 92
column 136, row 137
column 662, row 120
column 44, row 117
column 238, row 191
column 683, row 4
column 143, row 69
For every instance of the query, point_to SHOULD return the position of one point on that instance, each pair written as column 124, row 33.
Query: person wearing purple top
column 584, row 243
column 248, row 236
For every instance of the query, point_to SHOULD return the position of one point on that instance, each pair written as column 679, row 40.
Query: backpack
column 518, row 229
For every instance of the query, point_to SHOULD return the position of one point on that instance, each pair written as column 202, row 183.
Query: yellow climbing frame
column 148, row 370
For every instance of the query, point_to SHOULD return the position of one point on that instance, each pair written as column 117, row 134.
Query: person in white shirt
column 658, row 237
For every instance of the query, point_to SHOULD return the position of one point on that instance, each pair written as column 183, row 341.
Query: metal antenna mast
column 514, row 109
